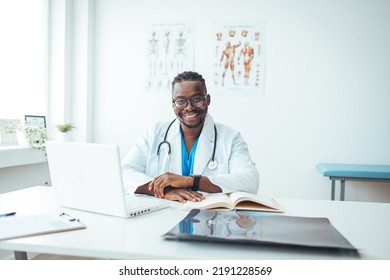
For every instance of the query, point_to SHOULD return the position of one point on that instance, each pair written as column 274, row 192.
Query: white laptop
column 88, row 176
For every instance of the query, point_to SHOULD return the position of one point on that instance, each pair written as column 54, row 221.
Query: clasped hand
column 174, row 187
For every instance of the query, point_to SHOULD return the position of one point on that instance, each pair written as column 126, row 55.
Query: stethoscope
column 212, row 163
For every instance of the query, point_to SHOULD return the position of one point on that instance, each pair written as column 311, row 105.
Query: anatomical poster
column 239, row 57
column 170, row 50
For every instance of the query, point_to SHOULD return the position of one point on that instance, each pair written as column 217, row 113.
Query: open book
column 235, row 200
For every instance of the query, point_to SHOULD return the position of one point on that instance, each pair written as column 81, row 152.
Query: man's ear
column 208, row 98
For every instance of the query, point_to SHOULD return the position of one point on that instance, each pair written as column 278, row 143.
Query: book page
column 238, row 197
column 19, row 226
column 212, row 200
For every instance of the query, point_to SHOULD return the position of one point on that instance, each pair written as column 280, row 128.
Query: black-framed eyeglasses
column 196, row 101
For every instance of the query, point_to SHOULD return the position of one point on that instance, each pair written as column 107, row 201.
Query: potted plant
column 64, row 129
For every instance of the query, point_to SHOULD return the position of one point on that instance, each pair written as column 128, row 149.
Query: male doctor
column 179, row 159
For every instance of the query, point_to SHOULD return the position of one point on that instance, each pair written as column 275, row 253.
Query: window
column 23, row 58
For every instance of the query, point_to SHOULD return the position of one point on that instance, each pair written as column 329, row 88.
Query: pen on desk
column 7, row 214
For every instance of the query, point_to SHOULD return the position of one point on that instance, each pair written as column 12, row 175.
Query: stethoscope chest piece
column 212, row 164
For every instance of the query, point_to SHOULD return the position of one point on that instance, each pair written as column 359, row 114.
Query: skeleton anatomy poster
column 239, row 58
column 170, row 50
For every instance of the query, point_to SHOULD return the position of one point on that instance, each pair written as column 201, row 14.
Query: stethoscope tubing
column 212, row 161
column 165, row 140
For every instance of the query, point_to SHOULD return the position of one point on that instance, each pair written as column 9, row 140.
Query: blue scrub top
column 187, row 160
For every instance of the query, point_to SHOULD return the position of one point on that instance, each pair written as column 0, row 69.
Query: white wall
column 327, row 90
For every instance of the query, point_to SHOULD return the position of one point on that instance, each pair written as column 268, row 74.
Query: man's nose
column 189, row 106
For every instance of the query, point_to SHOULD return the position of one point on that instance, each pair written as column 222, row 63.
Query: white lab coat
column 235, row 171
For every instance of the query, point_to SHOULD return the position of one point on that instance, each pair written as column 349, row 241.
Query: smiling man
column 179, row 159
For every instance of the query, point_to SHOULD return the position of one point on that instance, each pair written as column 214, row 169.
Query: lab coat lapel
column 205, row 147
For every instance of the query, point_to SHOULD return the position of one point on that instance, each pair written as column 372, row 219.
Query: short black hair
column 189, row 76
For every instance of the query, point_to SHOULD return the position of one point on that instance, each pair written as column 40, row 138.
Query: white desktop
column 363, row 224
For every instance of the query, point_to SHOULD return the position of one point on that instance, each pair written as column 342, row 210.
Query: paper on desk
column 22, row 226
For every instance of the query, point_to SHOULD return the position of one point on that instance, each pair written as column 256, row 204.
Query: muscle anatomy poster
column 239, row 57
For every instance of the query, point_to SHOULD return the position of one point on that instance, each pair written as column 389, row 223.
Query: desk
column 364, row 224
column 353, row 172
